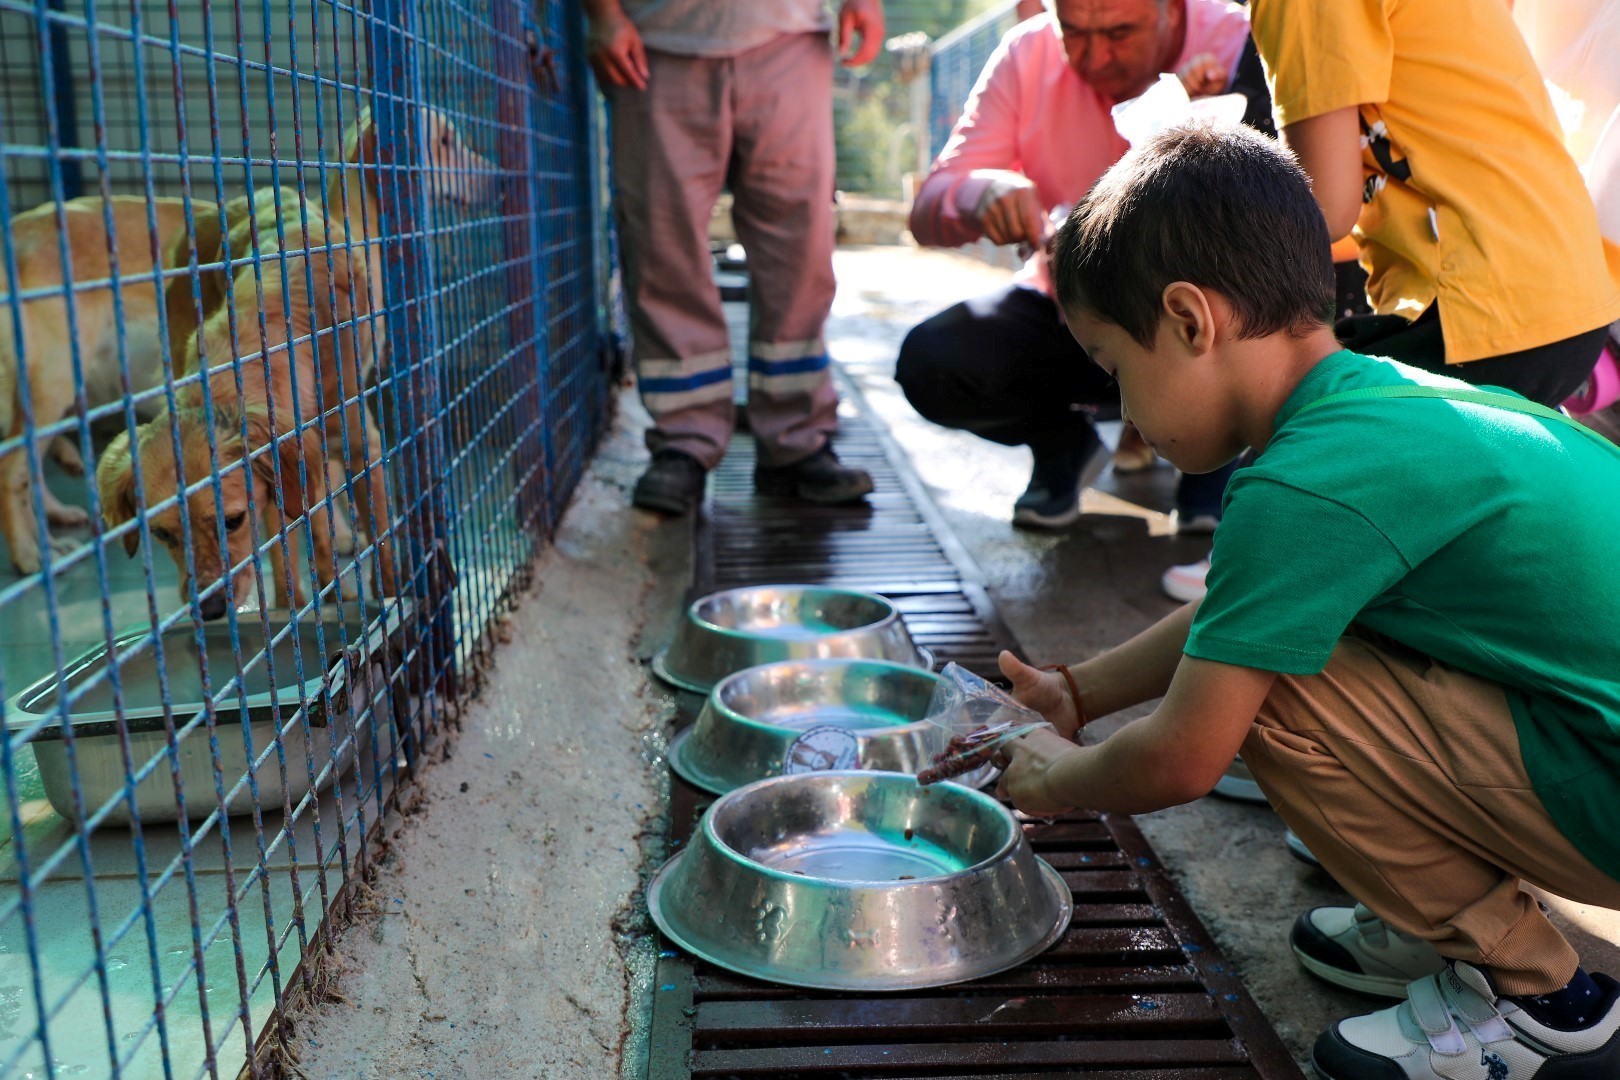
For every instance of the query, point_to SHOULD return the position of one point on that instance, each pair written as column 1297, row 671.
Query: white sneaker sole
column 1240, row 790
column 1374, row 985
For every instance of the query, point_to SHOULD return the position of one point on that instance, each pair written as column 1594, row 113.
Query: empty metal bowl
column 859, row 881
column 741, row 628
column 810, row 716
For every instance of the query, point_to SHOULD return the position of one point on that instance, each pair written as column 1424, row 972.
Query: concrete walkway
column 495, row 944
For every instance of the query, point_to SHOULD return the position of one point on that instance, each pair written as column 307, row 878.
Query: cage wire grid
column 387, row 222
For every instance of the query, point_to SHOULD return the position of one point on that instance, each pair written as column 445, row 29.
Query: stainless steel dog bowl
column 741, row 628
column 809, row 716
column 95, row 722
column 859, row 881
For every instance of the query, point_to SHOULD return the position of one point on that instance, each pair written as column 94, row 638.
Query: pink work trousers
column 759, row 123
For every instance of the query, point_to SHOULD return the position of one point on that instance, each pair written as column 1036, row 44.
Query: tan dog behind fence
column 267, row 435
column 48, row 334
column 456, row 174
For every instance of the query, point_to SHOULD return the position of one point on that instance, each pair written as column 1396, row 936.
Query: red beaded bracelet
column 1074, row 690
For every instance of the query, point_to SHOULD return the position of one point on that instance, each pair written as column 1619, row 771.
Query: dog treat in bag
column 979, row 716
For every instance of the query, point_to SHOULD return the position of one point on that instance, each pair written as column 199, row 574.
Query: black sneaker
column 819, row 478
column 672, row 484
column 1052, row 499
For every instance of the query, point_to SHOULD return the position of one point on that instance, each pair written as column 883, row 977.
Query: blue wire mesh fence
column 306, row 306
column 954, row 65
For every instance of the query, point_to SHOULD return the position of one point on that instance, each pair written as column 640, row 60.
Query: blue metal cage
column 307, row 306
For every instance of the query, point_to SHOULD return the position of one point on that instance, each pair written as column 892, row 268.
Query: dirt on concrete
column 491, row 943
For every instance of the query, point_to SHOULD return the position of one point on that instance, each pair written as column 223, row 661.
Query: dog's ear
column 360, row 140
column 259, row 436
column 115, row 482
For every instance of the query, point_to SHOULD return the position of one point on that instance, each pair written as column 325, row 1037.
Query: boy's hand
column 863, row 17
column 1026, row 780
column 1047, row 692
column 615, row 50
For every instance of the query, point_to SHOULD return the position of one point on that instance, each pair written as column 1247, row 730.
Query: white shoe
column 1453, row 1027
column 1185, row 583
column 1355, row 949
column 1237, row 783
column 1296, row 848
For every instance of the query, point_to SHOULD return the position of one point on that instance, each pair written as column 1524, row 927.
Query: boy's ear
column 1190, row 315
column 115, row 483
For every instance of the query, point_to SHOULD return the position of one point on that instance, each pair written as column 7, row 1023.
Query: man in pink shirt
column 1036, row 133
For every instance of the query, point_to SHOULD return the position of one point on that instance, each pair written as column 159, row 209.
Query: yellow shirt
column 1470, row 197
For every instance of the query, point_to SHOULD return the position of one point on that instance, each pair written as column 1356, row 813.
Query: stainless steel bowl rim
column 686, row 771
column 660, row 667
column 1053, row 879
column 892, row 612
column 733, row 716
column 1014, row 834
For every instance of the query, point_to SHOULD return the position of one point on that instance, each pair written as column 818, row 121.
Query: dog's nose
column 213, row 605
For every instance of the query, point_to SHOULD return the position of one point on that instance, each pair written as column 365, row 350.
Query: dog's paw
column 63, row 546
column 68, row 517
column 62, row 451
column 25, row 562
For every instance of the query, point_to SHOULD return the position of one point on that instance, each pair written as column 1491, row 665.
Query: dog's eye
column 163, row 536
column 235, row 521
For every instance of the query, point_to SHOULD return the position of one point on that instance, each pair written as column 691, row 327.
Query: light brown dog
column 48, row 335
column 302, row 346
column 456, row 175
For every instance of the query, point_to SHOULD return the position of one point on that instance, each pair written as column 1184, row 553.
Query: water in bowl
column 855, row 855
column 808, row 630
column 850, row 717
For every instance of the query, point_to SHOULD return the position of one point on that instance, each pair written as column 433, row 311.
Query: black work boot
column 672, row 484
column 819, row 478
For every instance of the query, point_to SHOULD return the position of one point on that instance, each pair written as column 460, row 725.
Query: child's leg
column 1404, row 777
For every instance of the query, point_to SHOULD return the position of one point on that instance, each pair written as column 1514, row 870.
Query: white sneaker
column 1453, row 1027
column 1186, row 583
column 1296, row 848
column 1355, row 949
column 1237, row 783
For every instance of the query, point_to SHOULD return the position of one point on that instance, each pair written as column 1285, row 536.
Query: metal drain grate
column 1134, row 990
column 894, row 545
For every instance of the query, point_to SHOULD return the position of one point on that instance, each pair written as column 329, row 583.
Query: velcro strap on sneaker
column 1433, row 1015
column 1477, row 1011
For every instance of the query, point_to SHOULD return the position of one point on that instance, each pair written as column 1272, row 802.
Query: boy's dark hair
column 1224, row 208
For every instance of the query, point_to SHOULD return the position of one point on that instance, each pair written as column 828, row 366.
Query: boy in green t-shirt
column 1404, row 631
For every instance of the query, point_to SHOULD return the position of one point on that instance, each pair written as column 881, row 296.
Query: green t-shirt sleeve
column 1290, row 571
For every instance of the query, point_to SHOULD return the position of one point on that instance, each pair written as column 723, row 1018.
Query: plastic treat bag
column 979, row 717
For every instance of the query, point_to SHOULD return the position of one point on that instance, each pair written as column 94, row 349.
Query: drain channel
column 1134, row 990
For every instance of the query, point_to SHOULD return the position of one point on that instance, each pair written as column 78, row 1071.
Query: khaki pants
column 760, row 123
column 1404, row 777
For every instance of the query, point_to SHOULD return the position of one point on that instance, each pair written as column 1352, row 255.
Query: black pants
column 1547, row 374
column 1004, row 367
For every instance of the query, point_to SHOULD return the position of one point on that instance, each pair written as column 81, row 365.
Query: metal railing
column 306, row 306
